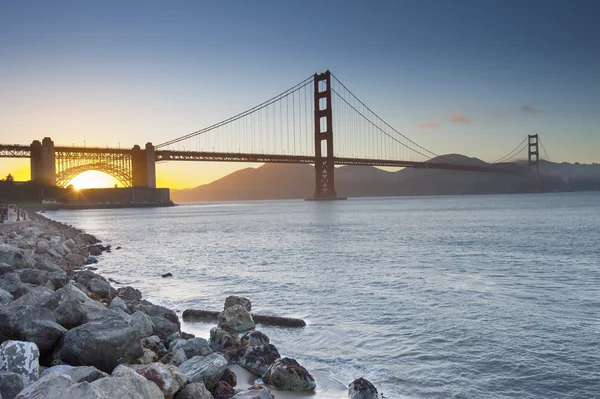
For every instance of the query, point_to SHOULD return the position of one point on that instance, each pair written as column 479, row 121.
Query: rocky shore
column 66, row 332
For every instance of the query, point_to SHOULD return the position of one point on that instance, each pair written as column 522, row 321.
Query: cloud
column 501, row 115
column 529, row 111
column 459, row 118
column 429, row 125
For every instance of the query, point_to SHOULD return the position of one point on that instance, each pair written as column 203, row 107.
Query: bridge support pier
column 143, row 166
column 43, row 161
column 324, row 164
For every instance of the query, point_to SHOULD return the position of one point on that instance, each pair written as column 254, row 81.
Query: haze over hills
column 296, row 181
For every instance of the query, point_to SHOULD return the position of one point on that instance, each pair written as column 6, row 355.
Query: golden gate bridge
column 318, row 121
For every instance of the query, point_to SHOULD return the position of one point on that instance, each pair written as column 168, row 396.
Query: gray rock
column 257, row 359
column 195, row 390
column 30, row 323
column 118, row 303
column 235, row 318
column 101, row 288
column 42, row 246
column 15, row 257
column 362, row 389
column 33, row 276
column 77, row 374
column 153, row 310
column 142, row 323
column 222, row 340
column 5, row 268
column 41, row 263
column 261, row 393
column 155, row 344
column 103, row 344
column 130, row 294
column 70, row 244
column 127, row 387
column 254, row 338
column 5, row 297
column 74, row 259
column 168, row 378
column 205, row 369
column 58, row 278
column 179, row 357
column 10, row 282
column 191, row 347
column 237, row 300
column 49, row 387
column 36, row 296
column 147, row 358
column 164, row 327
column 287, row 374
column 10, row 384
column 22, row 358
column 72, row 307
column 44, row 333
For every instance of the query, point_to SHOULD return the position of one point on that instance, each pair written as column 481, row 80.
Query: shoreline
column 105, row 304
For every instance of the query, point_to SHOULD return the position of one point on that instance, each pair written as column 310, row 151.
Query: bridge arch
column 65, row 176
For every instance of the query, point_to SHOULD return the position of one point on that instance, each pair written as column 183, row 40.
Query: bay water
column 427, row 297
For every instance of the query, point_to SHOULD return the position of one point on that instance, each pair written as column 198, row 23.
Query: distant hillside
column 287, row 181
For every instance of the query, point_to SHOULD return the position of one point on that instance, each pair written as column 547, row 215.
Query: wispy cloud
column 459, row 118
column 529, row 111
column 429, row 125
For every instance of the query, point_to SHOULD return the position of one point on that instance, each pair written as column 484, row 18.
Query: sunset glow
column 93, row 179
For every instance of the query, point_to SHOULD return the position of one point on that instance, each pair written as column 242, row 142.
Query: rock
column 155, row 344
column 222, row 391
column 77, row 374
column 30, row 323
column 128, row 387
column 156, row 310
column 221, row 340
column 129, row 294
column 70, row 244
column 103, row 344
column 42, row 246
column 287, row 374
column 254, row 338
column 168, row 378
column 101, row 288
column 178, row 357
column 5, row 297
column 10, row 282
column 235, row 318
column 15, row 257
column 229, row 377
column 35, row 296
column 33, row 276
column 195, row 390
column 261, row 393
column 191, row 347
column 205, row 369
column 163, row 327
column 257, row 359
column 237, row 300
column 362, row 389
column 58, row 278
column 5, row 268
column 44, row 264
column 118, row 303
column 166, row 275
column 142, row 323
column 50, row 387
column 10, row 384
column 75, row 259
column 44, row 333
column 22, row 358
column 147, row 358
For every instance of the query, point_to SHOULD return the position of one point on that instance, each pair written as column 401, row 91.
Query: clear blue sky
column 128, row 72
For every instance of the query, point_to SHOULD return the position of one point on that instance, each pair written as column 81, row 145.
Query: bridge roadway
column 20, row 151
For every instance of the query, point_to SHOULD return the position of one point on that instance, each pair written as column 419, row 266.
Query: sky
column 470, row 77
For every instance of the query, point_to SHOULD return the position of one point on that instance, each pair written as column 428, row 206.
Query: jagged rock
column 30, row 323
column 10, row 384
column 261, row 393
column 155, row 344
column 195, row 390
column 35, row 296
column 130, row 294
column 205, row 369
column 229, row 377
column 254, row 338
column 147, row 358
column 75, row 259
column 58, row 278
column 33, row 276
column 164, row 327
column 130, row 387
column 15, row 257
column 235, row 318
column 362, row 389
column 167, row 275
column 118, row 303
column 70, row 244
column 287, row 374
column 153, row 310
column 42, row 246
column 22, row 358
column 44, row 333
column 142, row 323
column 222, row 391
column 103, row 344
column 50, row 387
column 168, row 378
column 222, row 340
column 178, row 357
column 101, row 288
column 257, row 359
column 41, row 263
column 10, row 282
column 5, row 297
column 77, row 374
column 191, row 347
column 233, row 300
column 5, row 268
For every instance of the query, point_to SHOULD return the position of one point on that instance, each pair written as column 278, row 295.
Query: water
column 430, row 297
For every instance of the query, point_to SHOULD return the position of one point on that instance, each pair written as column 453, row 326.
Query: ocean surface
column 427, row 297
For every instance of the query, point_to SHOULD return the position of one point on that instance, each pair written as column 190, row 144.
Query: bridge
column 295, row 126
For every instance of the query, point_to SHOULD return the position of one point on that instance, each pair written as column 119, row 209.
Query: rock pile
column 66, row 332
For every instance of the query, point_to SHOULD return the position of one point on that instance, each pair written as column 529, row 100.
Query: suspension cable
column 501, row 159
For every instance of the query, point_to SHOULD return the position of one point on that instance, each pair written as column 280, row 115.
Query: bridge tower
column 324, row 165
column 143, row 166
column 534, row 154
column 43, row 161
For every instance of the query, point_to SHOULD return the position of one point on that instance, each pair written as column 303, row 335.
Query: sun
column 93, row 179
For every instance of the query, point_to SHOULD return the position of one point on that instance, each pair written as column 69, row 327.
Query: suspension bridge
column 299, row 125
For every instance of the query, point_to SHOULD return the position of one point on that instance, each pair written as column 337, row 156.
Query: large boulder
column 103, row 344
column 254, row 338
column 205, row 369
column 72, row 307
column 129, row 385
column 233, row 300
column 33, row 276
column 191, row 347
column 164, row 327
column 30, row 323
column 195, row 390
column 22, row 358
column 10, row 384
column 5, row 297
column 220, row 340
column 142, row 323
column 77, row 374
column 45, row 333
column 35, row 296
column 11, row 282
column 168, row 378
column 42, row 246
column 58, row 278
column 15, row 257
column 102, row 288
column 257, row 359
column 57, row 386
column 362, row 389
column 235, row 318
column 5, row 268
column 261, row 393
column 286, row 374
